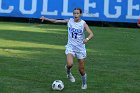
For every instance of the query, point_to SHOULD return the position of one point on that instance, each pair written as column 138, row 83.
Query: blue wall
column 94, row 10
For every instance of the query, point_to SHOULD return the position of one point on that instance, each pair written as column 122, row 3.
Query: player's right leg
column 69, row 66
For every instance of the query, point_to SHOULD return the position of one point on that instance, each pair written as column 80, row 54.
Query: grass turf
column 32, row 57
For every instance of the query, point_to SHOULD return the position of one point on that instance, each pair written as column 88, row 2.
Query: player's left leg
column 83, row 74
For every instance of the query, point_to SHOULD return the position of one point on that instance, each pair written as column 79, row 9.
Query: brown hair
column 78, row 9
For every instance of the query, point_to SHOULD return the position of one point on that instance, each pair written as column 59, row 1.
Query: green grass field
column 32, row 57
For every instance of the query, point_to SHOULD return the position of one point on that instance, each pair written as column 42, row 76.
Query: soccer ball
column 57, row 85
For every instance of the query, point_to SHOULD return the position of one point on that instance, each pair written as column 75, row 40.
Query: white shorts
column 77, row 51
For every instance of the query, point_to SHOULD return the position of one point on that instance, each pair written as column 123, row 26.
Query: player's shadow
column 36, row 53
column 53, row 38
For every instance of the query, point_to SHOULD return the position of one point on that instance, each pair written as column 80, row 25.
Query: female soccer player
column 76, row 43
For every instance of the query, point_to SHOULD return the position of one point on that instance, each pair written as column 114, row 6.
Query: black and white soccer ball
column 58, row 85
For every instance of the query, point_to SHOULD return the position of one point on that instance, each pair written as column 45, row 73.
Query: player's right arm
column 53, row 20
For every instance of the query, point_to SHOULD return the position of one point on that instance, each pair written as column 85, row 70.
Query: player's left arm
column 89, row 32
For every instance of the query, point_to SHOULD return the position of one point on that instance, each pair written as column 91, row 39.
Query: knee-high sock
column 84, row 78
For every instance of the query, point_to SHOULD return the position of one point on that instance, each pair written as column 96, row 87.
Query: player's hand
column 85, row 41
column 43, row 18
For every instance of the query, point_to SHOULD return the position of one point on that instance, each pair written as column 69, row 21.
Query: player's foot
column 69, row 75
column 84, row 86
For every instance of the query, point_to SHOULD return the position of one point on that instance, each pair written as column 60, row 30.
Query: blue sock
column 84, row 79
column 68, row 71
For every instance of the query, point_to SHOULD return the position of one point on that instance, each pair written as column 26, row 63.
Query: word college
column 96, row 10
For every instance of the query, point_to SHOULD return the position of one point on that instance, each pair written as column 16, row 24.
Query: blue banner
column 93, row 10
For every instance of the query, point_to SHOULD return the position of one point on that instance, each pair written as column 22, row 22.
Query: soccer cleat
column 71, row 78
column 84, row 86
column 69, row 75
